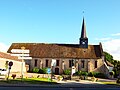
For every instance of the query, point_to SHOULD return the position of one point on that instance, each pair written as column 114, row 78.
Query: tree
column 112, row 74
column 116, row 63
column 6, row 64
column 109, row 57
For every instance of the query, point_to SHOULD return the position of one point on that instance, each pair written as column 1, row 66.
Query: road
column 63, row 85
column 38, row 88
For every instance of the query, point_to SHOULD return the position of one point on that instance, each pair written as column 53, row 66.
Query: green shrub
column 35, row 70
column 84, row 73
column 43, row 71
column 97, row 75
column 100, row 75
column 118, row 80
column 90, row 74
column 67, row 72
column 112, row 73
column 78, row 73
column 81, row 73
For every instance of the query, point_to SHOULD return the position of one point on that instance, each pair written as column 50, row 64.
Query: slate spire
column 83, row 39
column 83, row 31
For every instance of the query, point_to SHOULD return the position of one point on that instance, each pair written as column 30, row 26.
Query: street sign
column 53, row 63
column 20, row 55
column 10, row 63
column 48, row 70
column 20, row 51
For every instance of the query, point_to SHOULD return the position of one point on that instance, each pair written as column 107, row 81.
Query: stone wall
column 89, row 64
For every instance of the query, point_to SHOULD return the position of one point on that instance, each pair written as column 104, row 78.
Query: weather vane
column 83, row 13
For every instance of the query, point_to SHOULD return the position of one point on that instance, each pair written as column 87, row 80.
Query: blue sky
column 60, row 21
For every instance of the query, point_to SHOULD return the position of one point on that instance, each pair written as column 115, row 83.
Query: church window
column 82, row 64
column 46, row 63
column 36, row 62
column 95, row 64
column 70, row 65
column 57, row 63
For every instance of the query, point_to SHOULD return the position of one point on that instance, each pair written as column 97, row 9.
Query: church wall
column 100, row 66
column 89, row 64
column 43, row 64
column 85, row 64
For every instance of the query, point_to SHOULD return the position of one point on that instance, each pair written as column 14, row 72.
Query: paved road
column 63, row 85
column 38, row 88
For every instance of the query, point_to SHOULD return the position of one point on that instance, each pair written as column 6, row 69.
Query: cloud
column 3, row 47
column 117, row 34
column 102, row 39
column 113, row 47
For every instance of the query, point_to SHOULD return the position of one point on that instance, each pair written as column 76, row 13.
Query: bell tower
column 83, row 41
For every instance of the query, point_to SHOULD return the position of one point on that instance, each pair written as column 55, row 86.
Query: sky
column 60, row 21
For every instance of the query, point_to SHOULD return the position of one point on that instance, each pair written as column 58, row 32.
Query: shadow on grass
column 28, row 81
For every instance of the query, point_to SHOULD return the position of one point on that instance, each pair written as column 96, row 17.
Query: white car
column 3, row 72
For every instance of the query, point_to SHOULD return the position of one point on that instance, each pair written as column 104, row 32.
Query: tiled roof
column 41, row 50
column 8, row 56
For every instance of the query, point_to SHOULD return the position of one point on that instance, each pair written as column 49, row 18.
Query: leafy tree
column 112, row 73
column 116, row 63
column 109, row 57
column 6, row 64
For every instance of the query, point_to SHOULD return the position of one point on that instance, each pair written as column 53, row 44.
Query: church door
column 57, row 71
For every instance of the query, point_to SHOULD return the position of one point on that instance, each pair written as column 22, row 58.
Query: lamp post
column 23, row 48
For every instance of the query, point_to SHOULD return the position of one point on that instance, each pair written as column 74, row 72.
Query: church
column 82, row 56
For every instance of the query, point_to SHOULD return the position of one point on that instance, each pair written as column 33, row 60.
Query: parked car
column 3, row 72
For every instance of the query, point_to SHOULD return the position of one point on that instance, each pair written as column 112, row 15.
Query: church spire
column 83, row 39
column 83, row 32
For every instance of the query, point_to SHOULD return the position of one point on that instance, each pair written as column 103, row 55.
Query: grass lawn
column 29, row 81
column 110, row 83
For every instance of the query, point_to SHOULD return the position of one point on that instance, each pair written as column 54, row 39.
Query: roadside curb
column 59, row 86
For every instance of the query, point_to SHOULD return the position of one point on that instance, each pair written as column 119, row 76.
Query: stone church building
column 84, row 57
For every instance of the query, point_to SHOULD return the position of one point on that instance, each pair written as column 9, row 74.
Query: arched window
column 82, row 63
column 36, row 62
column 57, row 63
column 46, row 63
column 95, row 64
